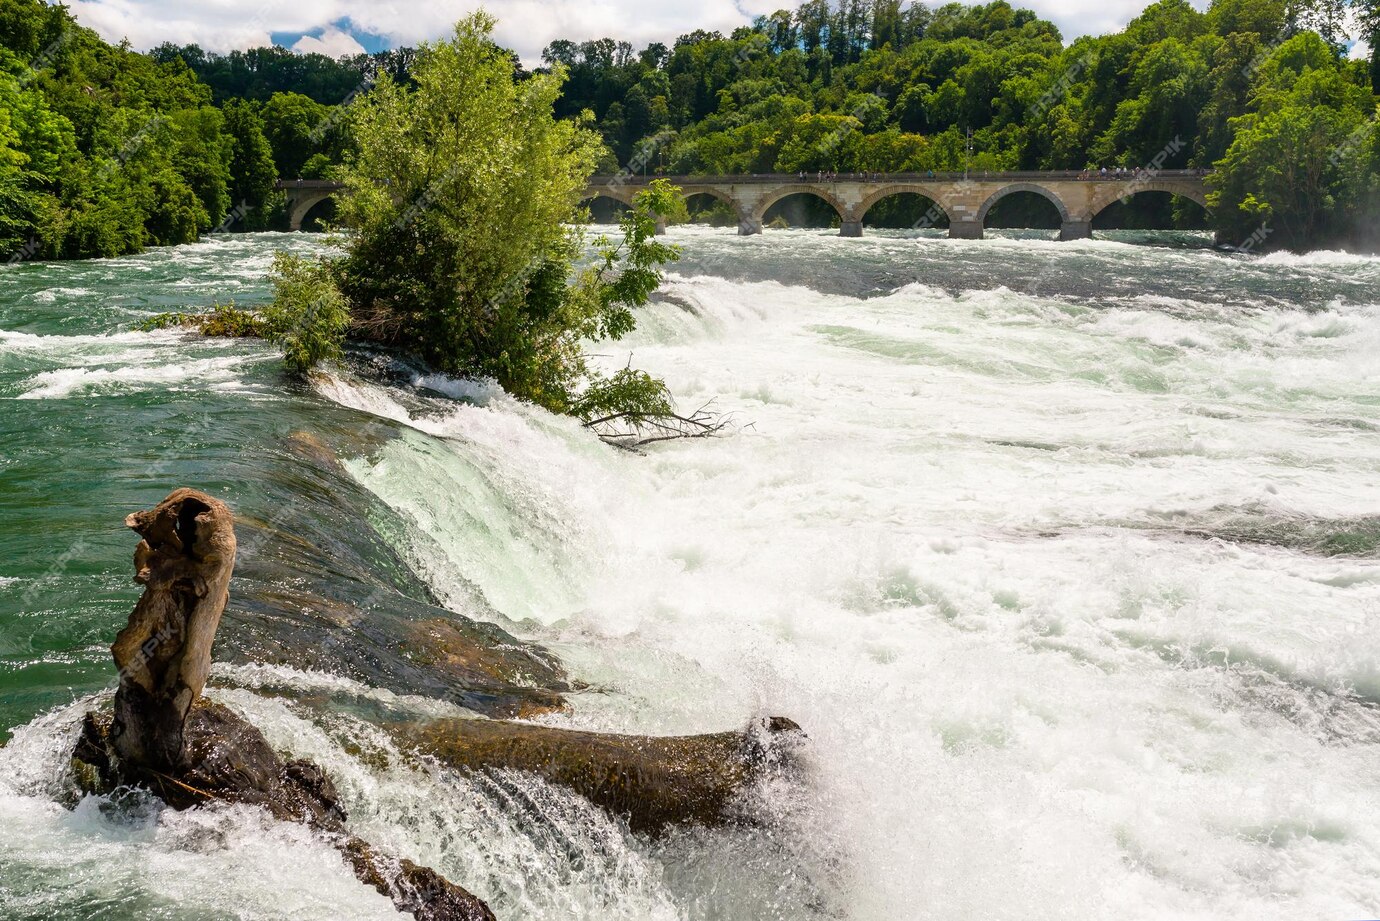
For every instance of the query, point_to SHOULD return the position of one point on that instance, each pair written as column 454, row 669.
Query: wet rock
column 163, row 736
column 419, row 890
column 652, row 782
column 320, row 585
column 311, row 447
column 521, row 680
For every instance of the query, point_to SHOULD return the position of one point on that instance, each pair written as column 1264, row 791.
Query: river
column 1066, row 557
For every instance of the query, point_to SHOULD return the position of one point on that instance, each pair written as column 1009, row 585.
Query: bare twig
column 641, row 429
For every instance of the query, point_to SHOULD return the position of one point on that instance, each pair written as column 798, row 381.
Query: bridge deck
column 929, row 176
column 962, row 198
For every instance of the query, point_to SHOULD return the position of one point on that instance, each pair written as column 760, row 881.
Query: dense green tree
column 296, row 126
column 854, row 85
column 461, row 196
column 104, row 151
column 1300, row 166
column 252, row 170
column 259, row 73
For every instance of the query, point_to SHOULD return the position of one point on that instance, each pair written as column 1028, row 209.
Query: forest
column 105, row 151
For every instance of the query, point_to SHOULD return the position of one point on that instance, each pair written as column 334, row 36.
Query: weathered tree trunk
column 164, row 736
column 184, row 563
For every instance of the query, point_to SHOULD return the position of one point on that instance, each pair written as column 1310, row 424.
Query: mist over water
column 1066, row 556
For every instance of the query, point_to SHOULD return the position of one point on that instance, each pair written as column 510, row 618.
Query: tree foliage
column 105, row 151
column 460, row 195
column 869, row 86
column 308, row 317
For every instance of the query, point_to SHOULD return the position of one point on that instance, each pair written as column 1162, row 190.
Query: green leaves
column 632, row 396
column 631, row 271
column 462, row 196
column 1300, row 162
column 102, row 151
column 308, row 318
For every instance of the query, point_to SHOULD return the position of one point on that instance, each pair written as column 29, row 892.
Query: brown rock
column 654, row 782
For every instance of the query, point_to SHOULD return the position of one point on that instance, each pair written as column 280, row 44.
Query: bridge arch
column 925, row 191
column 621, row 195
column 714, row 192
column 786, row 191
column 1053, row 197
column 302, row 204
column 689, row 193
column 614, row 194
column 1105, row 200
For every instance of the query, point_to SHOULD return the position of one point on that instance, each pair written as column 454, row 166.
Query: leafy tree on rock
column 461, row 196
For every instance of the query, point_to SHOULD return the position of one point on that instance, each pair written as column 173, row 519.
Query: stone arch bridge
column 964, row 200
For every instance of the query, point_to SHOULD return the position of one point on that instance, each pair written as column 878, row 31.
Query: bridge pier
column 850, row 229
column 660, row 226
column 748, row 226
column 1076, row 230
column 965, row 230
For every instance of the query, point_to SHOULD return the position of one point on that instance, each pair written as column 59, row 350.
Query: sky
column 336, row 27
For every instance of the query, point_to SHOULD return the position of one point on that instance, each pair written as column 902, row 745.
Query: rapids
column 1066, row 556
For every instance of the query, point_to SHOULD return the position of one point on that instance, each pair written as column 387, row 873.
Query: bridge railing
column 929, row 176
column 307, row 184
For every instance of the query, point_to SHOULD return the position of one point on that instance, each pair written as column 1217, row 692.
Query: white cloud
column 524, row 25
column 1360, row 51
column 333, row 43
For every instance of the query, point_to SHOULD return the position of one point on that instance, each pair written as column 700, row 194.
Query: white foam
column 29, row 341
column 461, row 389
column 258, row 676
column 1074, row 725
column 1322, row 257
column 69, row 382
column 50, row 295
column 970, row 542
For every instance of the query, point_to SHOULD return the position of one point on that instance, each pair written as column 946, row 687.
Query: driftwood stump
column 164, row 736
column 184, row 562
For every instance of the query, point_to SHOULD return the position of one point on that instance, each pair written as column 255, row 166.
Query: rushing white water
column 951, row 544
column 1066, row 558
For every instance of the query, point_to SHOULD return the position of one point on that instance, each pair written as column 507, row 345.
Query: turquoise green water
column 1066, row 555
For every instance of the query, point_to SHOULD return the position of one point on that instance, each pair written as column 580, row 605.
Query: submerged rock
column 165, row 737
column 321, row 585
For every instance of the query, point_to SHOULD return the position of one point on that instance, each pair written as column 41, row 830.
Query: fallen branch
column 636, row 429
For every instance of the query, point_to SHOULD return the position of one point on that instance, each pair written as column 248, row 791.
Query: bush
column 308, row 317
column 224, row 321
